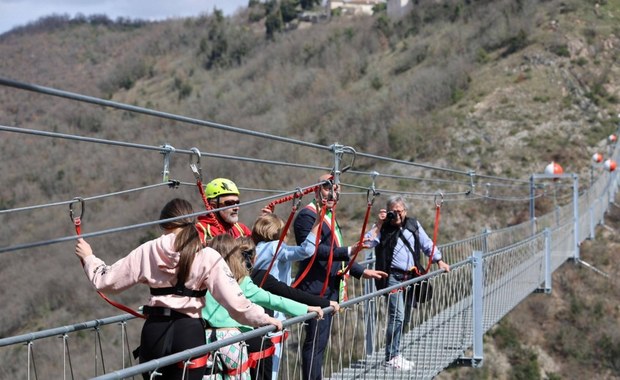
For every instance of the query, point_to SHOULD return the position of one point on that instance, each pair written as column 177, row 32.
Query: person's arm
column 298, row 252
column 110, row 278
column 302, row 227
column 275, row 302
column 359, row 271
column 373, row 235
column 280, row 288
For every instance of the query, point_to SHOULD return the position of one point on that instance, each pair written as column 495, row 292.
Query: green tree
column 309, row 4
column 288, row 9
column 273, row 23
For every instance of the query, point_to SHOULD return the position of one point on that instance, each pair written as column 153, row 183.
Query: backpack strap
column 416, row 236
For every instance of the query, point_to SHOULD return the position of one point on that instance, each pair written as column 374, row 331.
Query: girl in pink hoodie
column 179, row 271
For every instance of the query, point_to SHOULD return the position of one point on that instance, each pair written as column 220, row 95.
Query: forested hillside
column 496, row 88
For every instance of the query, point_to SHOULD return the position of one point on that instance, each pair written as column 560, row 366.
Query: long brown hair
column 187, row 241
column 231, row 252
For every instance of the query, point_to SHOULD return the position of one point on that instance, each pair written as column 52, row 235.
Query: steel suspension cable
column 395, row 176
column 150, row 112
column 170, row 116
column 171, row 183
column 126, row 228
column 160, row 149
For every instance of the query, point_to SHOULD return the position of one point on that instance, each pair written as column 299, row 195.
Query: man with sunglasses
column 318, row 331
column 222, row 192
column 398, row 240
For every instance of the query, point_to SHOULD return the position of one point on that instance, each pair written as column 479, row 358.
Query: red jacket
column 212, row 226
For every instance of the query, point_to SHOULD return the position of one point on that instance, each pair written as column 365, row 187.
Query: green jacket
column 218, row 317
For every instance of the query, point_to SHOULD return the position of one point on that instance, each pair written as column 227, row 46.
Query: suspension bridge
column 491, row 272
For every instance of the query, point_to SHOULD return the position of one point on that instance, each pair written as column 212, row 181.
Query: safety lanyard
column 297, row 196
column 77, row 222
column 321, row 214
column 438, row 204
column 358, row 248
column 330, row 260
column 211, row 218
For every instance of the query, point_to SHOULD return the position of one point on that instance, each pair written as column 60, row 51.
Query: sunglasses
column 328, row 186
column 230, row 203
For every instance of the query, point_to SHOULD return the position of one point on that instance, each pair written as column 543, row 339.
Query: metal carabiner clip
column 196, row 169
column 371, row 199
column 353, row 152
column 372, row 189
column 76, row 219
column 440, row 202
column 298, row 194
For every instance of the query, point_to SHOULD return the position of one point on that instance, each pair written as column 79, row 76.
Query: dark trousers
column 162, row 336
column 314, row 345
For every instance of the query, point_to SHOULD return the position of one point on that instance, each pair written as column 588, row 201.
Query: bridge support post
column 547, row 266
column 477, row 284
column 477, row 309
column 370, row 308
column 576, row 215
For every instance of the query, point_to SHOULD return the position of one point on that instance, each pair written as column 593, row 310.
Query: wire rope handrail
column 25, row 338
column 133, row 226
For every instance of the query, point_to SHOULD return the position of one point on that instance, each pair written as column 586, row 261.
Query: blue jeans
column 399, row 311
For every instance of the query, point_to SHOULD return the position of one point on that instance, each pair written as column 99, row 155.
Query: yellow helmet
column 220, row 186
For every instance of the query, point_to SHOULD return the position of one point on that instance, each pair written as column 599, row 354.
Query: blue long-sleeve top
column 287, row 254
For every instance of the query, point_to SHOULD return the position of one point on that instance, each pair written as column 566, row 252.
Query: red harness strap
column 361, row 240
column 282, row 235
column 194, row 363
column 435, row 232
column 298, row 194
column 330, row 260
column 321, row 215
column 254, row 357
column 204, row 221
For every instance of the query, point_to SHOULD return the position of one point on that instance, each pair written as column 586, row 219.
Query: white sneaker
column 398, row 362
